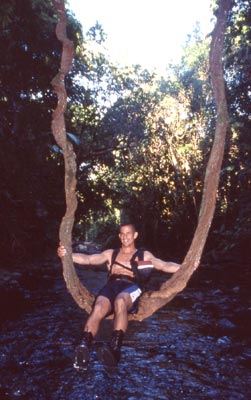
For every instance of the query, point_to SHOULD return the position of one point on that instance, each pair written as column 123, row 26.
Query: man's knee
column 101, row 308
column 121, row 304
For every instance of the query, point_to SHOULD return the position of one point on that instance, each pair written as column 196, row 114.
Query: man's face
column 127, row 235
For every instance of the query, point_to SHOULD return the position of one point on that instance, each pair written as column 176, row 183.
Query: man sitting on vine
column 120, row 293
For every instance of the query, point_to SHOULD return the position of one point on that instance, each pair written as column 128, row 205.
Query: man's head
column 127, row 234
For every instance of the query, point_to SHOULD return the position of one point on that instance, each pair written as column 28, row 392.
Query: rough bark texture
column 80, row 294
column 150, row 301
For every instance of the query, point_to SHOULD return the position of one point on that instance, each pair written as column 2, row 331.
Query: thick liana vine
column 150, row 301
column 80, row 294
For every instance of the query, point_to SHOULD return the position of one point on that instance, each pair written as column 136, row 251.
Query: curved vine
column 150, row 301
column 80, row 294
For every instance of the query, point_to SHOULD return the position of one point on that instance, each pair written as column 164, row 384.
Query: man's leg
column 122, row 305
column 101, row 308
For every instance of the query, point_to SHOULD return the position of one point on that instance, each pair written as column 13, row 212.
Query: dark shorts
column 116, row 286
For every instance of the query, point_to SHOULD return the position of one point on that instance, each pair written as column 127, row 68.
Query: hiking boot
column 82, row 351
column 110, row 354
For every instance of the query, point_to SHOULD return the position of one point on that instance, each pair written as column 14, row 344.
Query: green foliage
column 235, row 182
column 32, row 183
column 148, row 148
column 142, row 142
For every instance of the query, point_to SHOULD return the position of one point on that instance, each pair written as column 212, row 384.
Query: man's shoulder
column 109, row 253
column 148, row 255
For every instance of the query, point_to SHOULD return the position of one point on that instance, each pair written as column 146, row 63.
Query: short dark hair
column 126, row 224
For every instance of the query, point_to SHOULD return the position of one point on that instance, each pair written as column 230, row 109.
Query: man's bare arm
column 86, row 259
column 160, row 265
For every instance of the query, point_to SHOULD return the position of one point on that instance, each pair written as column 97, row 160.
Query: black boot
column 110, row 354
column 82, row 353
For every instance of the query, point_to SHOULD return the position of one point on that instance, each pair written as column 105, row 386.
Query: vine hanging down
column 150, row 301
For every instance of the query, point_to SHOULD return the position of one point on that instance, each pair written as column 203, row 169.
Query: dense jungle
column 142, row 143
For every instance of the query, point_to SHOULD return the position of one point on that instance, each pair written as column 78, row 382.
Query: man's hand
column 61, row 251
